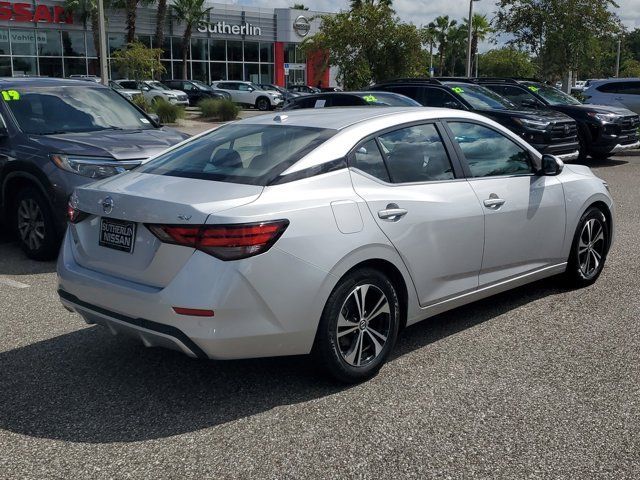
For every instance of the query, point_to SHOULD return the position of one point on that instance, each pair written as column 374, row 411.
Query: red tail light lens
column 226, row 242
column 73, row 214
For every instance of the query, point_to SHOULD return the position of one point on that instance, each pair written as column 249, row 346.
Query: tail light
column 73, row 214
column 226, row 242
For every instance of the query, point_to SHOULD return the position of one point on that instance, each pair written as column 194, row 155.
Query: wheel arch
column 602, row 206
column 14, row 181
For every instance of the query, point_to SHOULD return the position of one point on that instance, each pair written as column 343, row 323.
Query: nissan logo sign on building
column 302, row 26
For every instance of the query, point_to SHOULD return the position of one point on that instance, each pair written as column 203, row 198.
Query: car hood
column 600, row 109
column 539, row 115
column 119, row 144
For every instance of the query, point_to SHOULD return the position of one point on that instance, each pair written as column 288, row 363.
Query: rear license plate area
column 117, row 234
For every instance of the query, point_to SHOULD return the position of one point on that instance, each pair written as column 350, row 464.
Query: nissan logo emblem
column 107, row 205
column 302, row 26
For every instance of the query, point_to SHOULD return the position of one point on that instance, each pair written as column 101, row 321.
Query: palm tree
column 428, row 34
column 442, row 27
column 161, row 18
column 456, row 47
column 480, row 29
column 131, row 10
column 381, row 3
column 299, row 6
column 87, row 10
column 190, row 12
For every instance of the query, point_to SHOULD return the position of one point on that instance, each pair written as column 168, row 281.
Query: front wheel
column 359, row 326
column 589, row 249
column 33, row 222
column 263, row 104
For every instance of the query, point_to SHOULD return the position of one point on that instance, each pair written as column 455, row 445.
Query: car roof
column 25, row 82
column 339, row 118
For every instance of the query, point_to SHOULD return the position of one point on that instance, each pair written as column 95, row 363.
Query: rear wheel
column 589, row 249
column 359, row 326
column 33, row 223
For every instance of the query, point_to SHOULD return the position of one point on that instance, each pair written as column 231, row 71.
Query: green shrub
column 141, row 102
column 224, row 110
column 167, row 112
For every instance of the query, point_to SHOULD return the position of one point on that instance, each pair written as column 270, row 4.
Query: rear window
column 250, row 154
column 388, row 99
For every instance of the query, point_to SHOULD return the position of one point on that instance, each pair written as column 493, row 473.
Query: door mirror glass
column 155, row 118
column 551, row 165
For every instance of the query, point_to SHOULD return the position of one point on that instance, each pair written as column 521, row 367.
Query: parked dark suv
column 196, row 90
column 548, row 131
column 57, row 134
column 602, row 130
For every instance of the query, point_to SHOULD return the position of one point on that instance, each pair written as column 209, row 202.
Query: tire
column 349, row 346
column 34, row 225
column 588, row 257
column 263, row 104
column 584, row 146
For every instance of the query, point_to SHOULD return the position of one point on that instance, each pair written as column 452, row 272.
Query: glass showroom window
column 73, row 44
column 218, row 71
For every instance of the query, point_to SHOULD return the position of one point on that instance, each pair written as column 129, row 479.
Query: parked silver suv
column 617, row 92
column 250, row 94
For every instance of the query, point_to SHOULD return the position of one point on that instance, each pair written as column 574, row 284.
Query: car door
column 245, row 94
column 231, row 88
column 431, row 215
column 524, row 212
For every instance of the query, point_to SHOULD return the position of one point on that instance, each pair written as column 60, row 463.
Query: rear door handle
column 392, row 213
column 494, row 202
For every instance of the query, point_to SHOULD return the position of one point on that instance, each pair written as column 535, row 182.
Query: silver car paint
column 271, row 304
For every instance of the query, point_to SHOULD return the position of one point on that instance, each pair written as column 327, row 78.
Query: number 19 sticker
column 9, row 95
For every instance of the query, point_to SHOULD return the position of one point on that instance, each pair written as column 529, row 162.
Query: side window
column 416, row 154
column 629, row 88
column 228, row 86
column 130, row 85
column 368, row 158
column 243, row 87
column 303, row 103
column 437, row 97
column 489, row 153
column 609, row 87
column 408, row 91
column 186, row 86
column 345, row 101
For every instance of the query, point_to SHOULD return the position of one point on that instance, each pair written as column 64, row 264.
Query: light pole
column 104, row 67
column 477, row 58
column 469, row 37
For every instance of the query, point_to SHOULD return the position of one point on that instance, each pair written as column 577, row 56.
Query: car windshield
column 387, row 99
column 51, row 110
column 240, row 153
column 480, row 98
column 157, row 86
column 552, row 95
column 201, row 85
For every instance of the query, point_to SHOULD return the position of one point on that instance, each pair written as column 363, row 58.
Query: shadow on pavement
column 14, row 262
column 88, row 386
column 606, row 162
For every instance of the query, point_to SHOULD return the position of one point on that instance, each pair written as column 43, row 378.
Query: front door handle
column 494, row 202
column 392, row 213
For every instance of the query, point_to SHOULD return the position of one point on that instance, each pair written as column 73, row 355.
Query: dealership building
column 235, row 43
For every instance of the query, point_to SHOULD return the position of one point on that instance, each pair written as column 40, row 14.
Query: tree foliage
column 506, row 62
column 563, row 34
column 189, row 12
column 369, row 44
column 138, row 62
column 299, row 6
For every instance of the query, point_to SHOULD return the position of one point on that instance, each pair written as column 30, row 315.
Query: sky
column 422, row 12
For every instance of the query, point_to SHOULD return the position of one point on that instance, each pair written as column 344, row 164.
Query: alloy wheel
column 31, row 225
column 591, row 247
column 363, row 325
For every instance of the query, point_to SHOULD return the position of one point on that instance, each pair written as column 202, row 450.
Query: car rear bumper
column 253, row 315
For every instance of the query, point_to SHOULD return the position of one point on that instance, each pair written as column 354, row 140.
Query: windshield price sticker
column 457, row 89
column 370, row 98
column 9, row 95
column 533, row 89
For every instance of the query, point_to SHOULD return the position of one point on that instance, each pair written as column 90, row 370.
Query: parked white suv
column 247, row 93
column 616, row 92
column 153, row 91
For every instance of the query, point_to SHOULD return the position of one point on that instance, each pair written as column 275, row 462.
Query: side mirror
column 551, row 165
column 155, row 118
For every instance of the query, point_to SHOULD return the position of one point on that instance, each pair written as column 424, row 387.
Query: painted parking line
column 12, row 283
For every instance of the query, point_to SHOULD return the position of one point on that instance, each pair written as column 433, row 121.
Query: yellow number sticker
column 370, row 99
column 9, row 95
column 457, row 89
column 533, row 89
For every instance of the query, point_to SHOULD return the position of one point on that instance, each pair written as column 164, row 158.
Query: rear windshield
column 480, row 98
column 250, row 154
column 68, row 109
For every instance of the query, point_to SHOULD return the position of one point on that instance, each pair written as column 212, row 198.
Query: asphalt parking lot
column 539, row 382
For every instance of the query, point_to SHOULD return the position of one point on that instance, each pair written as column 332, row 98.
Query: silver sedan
column 326, row 232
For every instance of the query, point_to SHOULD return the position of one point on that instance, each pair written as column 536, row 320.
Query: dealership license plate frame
column 114, row 245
